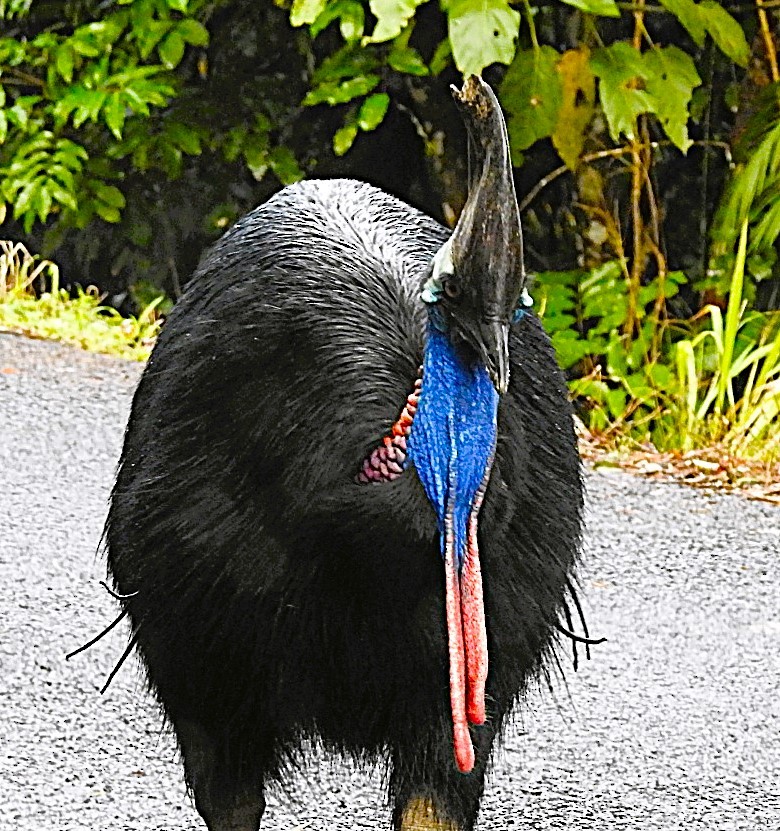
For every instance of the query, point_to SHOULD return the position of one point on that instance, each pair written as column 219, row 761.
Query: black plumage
column 274, row 598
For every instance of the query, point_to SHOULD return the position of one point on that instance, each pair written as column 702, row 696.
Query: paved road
column 675, row 724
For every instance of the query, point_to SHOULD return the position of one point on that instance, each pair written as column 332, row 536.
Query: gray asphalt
column 674, row 724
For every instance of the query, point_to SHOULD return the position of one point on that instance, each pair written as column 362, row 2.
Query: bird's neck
column 453, row 434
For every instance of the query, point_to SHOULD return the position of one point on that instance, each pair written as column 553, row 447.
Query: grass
column 56, row 314
column 716, row 386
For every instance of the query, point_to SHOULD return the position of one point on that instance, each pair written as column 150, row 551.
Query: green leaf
column 64, row 60
column 107, row 212
column 3, row 127
column 193, row 32
column 372, row 111
column 620, row 70
column 482, row 32
column 333, row 93
column 108, row 194
column 670, row 81
column 725, row 31
column 391, row 17
column 178, row 5
column 344, row 138
column 285, row 165
column 690, row 16
column 350, row 15
column 184, row 137
column 114, row 114
column 171, row 50
column 88, row 104
column 150, row 34
column 441, row 57
column 604, row 8
column 306, row 11
column 64, row 197
column 532, row 95
column 408, row 61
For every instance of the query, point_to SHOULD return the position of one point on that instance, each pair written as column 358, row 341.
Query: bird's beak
column 494, row 351
column 490, row 340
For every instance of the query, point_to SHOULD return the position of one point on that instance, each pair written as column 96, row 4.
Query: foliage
column 752, row 195
column 728, row 375
column 93, row 86
column 714, row 380
column 132, row 132
column 56, row 315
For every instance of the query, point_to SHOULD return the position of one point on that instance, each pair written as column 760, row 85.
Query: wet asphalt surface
column 674, row 724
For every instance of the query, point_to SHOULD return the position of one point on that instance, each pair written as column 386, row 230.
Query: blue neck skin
column 454, row 432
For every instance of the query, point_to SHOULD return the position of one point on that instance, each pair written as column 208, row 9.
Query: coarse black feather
column 275, row 599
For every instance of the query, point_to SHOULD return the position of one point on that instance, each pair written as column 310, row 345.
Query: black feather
column 273, row 598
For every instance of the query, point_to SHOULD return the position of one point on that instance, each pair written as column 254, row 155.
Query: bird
column 348, row 508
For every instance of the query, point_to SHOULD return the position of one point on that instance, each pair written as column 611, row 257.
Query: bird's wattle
column 451, row 445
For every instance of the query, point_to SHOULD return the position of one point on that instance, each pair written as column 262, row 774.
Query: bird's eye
column 451, row 288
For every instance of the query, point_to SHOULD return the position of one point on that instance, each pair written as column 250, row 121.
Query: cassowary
column 348, row 506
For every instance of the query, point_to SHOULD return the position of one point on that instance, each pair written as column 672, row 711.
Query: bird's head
column 477, row 281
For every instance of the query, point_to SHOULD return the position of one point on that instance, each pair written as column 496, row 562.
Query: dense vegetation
column 646, row 138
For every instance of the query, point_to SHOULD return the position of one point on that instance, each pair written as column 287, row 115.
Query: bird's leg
column 420, row 814
column 428, row 791
column 227, row 801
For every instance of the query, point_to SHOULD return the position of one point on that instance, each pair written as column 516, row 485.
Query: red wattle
column 464, row 751
column 474, row 629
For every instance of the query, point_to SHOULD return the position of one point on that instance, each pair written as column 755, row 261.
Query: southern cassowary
column 348, row 506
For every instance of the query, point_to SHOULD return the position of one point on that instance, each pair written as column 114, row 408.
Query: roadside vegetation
column 78, row 317
column 645, row 136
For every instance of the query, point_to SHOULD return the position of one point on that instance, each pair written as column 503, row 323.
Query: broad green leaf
column 725, row 31
column 604, row 8
column 482, row 32
column 344, row 138
column 107, row 212
column 372, row 111
column 171, row 50
column 620, row 70
column 193, row 32
column 3, row 126
column 109, row 194
column 671, row 78
column 532, row 94
column 391, row 17
column 690, row 16
column 178, row 5
column 304, row 12
column 578, row 103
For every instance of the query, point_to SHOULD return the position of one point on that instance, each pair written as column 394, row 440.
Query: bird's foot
column 420, row 815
